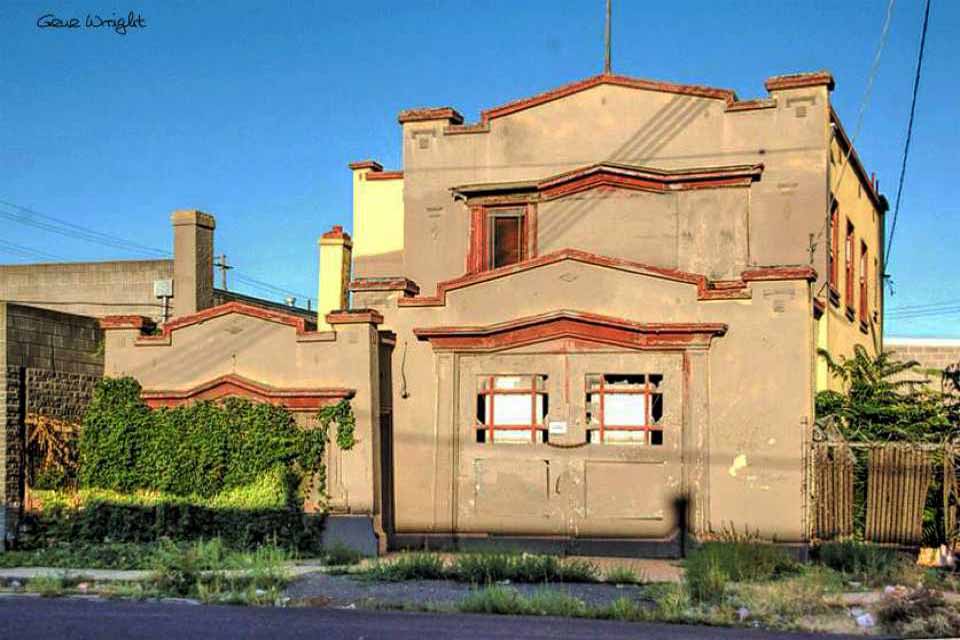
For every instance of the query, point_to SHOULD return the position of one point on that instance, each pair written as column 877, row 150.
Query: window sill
column 851, row 314
column 834, row 296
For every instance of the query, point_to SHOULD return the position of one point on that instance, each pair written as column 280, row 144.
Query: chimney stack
column 192, row 261
column 334, row 286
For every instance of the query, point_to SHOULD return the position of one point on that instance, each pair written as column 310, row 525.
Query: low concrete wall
column 49, row 364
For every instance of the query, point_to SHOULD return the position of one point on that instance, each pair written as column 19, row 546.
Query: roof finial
column 606, row 57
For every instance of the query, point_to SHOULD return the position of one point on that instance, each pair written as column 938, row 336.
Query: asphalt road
column 68, row 619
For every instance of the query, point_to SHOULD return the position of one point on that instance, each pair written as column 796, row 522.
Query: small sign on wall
column 557, row 427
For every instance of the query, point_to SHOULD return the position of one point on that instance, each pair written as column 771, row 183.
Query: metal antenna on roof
column 606, row 57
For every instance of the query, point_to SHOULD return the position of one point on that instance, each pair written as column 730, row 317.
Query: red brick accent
column 373, row 165
column 125, row 322
column 705, row 290
column 405, row 285
column 355, row 316
column 337, row 232
column 385, row 175
column 779, row 273
column 232, row 385
column 726, row 95
column 430, row 113
column 611, row 175
column 800, row 80
column 239, row 308
column 577, row 325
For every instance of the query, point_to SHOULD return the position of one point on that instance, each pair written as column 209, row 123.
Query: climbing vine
column 340, row 414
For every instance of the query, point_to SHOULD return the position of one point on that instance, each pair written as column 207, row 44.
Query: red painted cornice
column 232, row 385
column 578, row 325
column 373, row 176
column 706, row 289
column 126, row 322
column 373, row 165
column 405, row 285
column 355, row 316
column 800, row 81
column 449, row 114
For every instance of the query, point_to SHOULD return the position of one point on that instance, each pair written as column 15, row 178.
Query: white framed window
column 512, row 409
column 624, row 408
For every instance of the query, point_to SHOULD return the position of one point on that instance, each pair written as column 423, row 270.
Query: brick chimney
column 334, row 286
column 192, row 261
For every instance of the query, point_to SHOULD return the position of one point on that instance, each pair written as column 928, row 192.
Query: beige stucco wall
column 631, row 126
column 738, row 405
column 272, row 354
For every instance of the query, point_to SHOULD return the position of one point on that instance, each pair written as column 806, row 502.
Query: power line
column 30, row 217
column 19, row 249
column 921, row 307
column 906, row 145
column 864, row 102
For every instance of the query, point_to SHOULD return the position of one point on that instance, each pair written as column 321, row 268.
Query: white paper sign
column 558, row 428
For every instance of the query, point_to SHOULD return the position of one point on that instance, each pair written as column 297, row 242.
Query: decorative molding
column 139, row 323
column 705, row 289
column 387, row 283
column 578, row 325
column 779, row 273
column 354, row 316
column 384, row 175
column 430, row 113
column 373, row 165
column 800, row 81
column 233, row 385
column 610, row 175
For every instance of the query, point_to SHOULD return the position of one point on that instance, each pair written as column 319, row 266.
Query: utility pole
column 606, row 57
column 221, row 264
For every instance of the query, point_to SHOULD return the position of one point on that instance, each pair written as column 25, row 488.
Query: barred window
column 625, row 408
column 512, row 409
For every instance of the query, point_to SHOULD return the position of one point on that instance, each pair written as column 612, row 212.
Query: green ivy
column 340, row 414
column 201, row 449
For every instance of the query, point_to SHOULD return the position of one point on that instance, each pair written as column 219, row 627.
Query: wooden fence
column 879, row 491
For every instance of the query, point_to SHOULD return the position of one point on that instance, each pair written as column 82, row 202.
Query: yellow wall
column 850, row 193
column 377, row 218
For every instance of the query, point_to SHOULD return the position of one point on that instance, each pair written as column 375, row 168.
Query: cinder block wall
column 96, row 289
column 49, row 364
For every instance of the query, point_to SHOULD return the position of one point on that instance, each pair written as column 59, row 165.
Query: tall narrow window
column 864, row 267
column 835, row 246
column 506, row 237
column 625, row 409
column 511, row 409
column 850, row 257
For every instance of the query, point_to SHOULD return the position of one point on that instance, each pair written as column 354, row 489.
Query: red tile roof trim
column 126, row 322
column 232, row 385
column 579, row 325
column 355, row 316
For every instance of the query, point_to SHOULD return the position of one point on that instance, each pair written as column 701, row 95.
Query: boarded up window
column 625, row 408
column 506, row 237
column 511, row 408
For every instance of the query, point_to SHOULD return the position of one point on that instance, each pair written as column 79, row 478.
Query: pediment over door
column 580, row 327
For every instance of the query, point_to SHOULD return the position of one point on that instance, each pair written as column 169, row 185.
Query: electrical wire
column 906, row 145
column 27, row 252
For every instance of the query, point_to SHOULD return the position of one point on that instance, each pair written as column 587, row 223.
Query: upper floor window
column 625, row 408
column 512, row 409
column 505, row 237
column 864, row 266
column 835, row 246
column 850, row 249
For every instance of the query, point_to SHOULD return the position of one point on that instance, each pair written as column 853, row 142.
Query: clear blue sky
column 251, row 110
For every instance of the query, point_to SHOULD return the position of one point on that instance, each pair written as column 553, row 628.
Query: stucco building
column 590, row 319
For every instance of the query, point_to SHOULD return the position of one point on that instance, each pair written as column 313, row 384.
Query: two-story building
column 590, row 318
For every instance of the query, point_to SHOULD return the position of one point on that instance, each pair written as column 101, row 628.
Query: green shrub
column 203, row 448
column 622, row 575
column 713, row 564
column 868, row 561
column 340, row 554
column 244, row 517
column 495, row 599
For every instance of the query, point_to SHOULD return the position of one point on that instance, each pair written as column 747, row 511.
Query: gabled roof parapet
column 800, row 80
column 423, row 114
